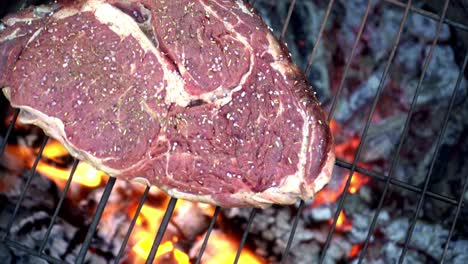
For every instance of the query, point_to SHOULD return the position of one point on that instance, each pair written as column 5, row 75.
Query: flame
column 328, row 195
column 147, row 225
column 85, row 174
column 345, row 151
column 54, row 150
column 357, row 182
column 181, row 257
column 225, row 249
column 342, row 223
column 143, row 247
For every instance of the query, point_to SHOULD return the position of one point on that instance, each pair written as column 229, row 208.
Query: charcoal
column 425, row 28
column 360, row 228
column 392, row 254
column 457, row 252
column 300, row 38
column 397, row 230
column 364, row 94
column 339, row 248
column 429, row 238
column 383, row 138
column 29, row 259
column 297, row 255
column 319, row 213
column 5, row 254
column 382, row 31
column 409, row 57
column 190, row 220
column 440, row 79
column 343, row 110
column 354, row 13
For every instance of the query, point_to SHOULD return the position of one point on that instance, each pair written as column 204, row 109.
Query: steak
column 195, row 97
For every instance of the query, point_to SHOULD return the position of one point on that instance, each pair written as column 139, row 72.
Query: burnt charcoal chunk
column 195, row 97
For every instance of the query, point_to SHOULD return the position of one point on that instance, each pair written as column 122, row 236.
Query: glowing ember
column 347, row 150
column 355, row 251
column 329, row 195
column 342, row 223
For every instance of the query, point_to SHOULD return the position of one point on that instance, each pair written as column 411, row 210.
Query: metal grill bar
column 465, row 185
column 26, row 187
column 352, row 167
column 208, row 232
column 284, row 258
column 94, row 223
column 245, row 234
column 430, row 15
column 132, row 225
column 288, row 18
column 398, row 183
column 364, row 134
column 319, row 37
column 59, row 206
column 348, row 63
column 30, row 251
column 440, row 138
column 330, row 114
column 403, row 135
column 161, row 230
column 9, row 130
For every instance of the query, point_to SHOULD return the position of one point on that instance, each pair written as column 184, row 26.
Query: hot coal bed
column 399, row 183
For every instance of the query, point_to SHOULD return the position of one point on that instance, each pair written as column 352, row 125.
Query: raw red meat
column 195, row 97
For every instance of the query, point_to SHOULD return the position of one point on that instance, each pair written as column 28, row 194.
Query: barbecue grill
column 387, row 179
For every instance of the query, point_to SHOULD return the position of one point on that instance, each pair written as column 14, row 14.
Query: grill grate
column 352, row 167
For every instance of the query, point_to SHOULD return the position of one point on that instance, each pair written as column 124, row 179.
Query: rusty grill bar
column 352, row 167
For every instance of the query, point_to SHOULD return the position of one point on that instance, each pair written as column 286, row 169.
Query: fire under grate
column 386, row 178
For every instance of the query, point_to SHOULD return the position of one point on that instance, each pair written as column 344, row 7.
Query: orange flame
column 342, row 223
column 345, row 151
column 85, row 174
column 147, row 223
column 357, row 182
column 327, row 195
column 225, row 249
column 54, row 150
column 146, row 226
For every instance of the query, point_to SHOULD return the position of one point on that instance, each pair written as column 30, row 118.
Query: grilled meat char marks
column 196, row 97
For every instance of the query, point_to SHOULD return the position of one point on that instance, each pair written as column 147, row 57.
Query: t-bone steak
column 196, row 97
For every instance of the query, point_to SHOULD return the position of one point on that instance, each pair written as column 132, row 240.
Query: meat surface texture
column 195, row 97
